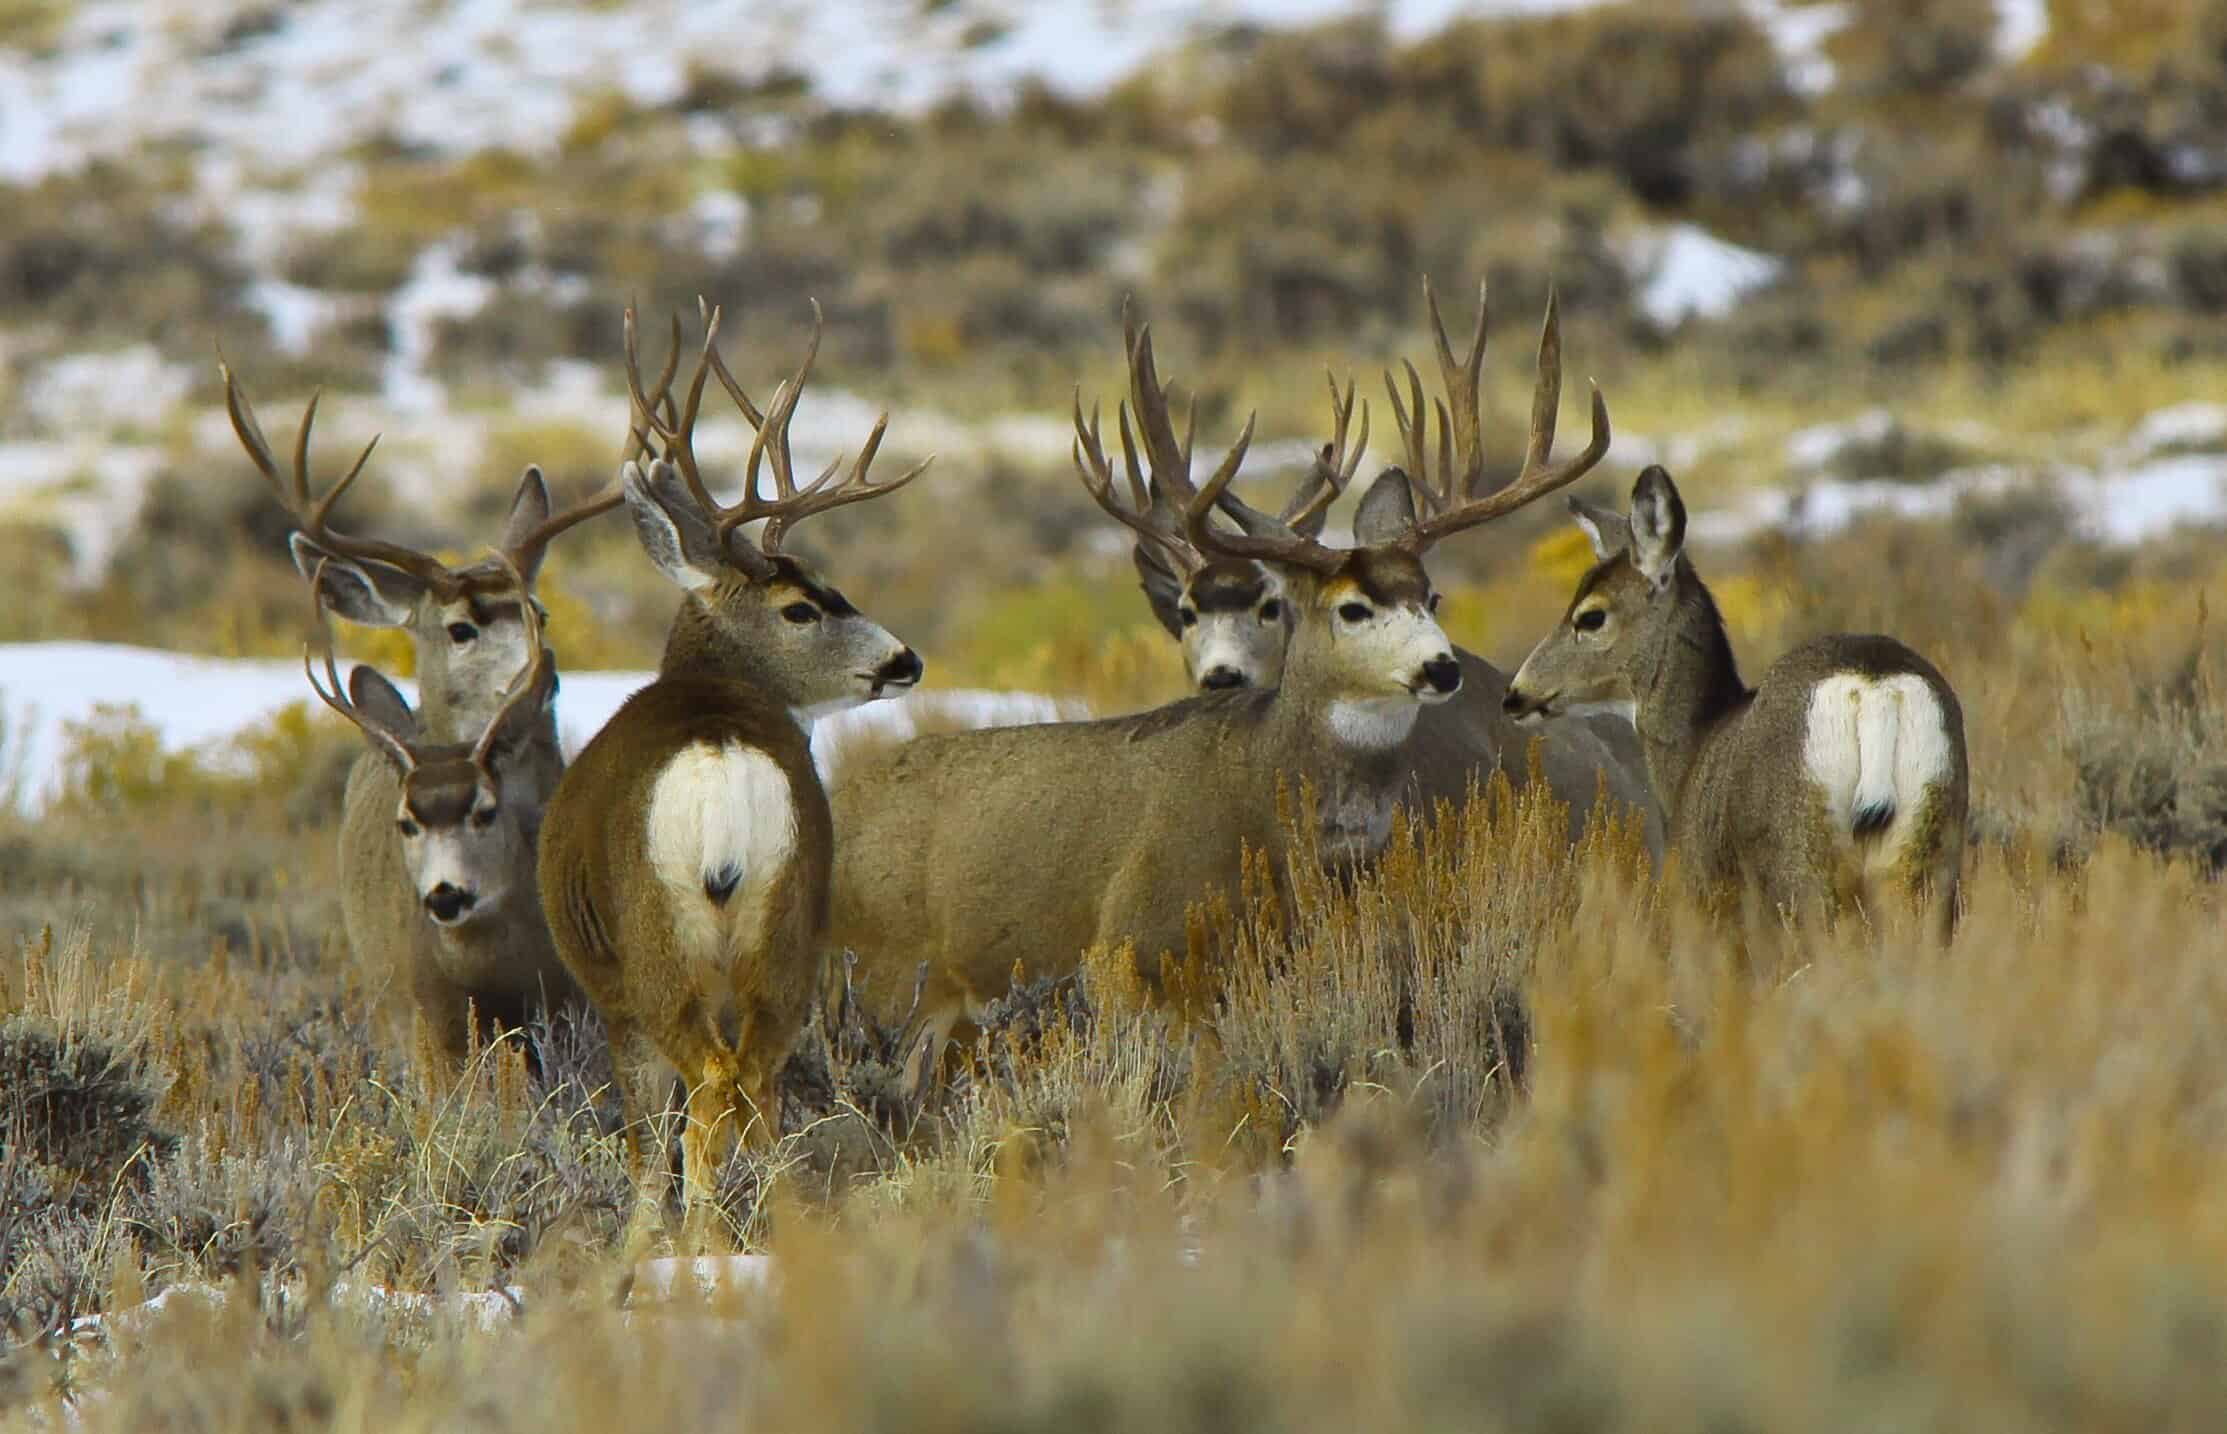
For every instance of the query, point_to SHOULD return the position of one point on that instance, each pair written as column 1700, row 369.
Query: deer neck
column 700, row 646
column 1686, row 683
column 1350, row 752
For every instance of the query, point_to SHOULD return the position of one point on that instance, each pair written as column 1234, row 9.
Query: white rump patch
column 1875, row 746
column 720, row 818
column 1376, row 724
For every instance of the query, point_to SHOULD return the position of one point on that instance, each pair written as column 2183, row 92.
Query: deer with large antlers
column 979, row 853
column 1234, row 625
column 470, row 629
column 685, row 860
column 467, row 817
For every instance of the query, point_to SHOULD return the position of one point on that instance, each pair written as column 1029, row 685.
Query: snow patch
column 437, row 289
column 2020, row 26
column 1685, row 272
column 131, row 388
column 200, row 704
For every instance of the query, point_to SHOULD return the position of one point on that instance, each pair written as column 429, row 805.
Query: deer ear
column 1387, row 510
column 674, row 535
column 361, row 590
column 529, row 509
column 1162, row 588
column 381, row 704
column 1609, row 533
column 1658, row 525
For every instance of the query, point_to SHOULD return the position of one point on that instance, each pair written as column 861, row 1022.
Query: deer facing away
column 469, row 631
column 1234, row 623
column 686, row 854
column 1839, row 776
column 963, row 856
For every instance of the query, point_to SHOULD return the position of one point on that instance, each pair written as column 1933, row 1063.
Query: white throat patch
column 1373, row 724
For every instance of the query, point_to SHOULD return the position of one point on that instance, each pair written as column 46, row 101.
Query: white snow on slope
column 200, row 703
column 1685, row 272
column 2123, row 508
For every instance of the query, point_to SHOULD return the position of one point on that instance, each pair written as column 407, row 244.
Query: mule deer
column 1234, row 625
column 1842, row 771
column 469, row 632
column 466, row 834
column 685, row 860
column 966, row 856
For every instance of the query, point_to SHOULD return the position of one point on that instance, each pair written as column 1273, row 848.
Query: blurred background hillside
column 1953, row 259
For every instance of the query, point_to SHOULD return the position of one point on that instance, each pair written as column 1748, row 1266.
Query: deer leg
column 713, row 1122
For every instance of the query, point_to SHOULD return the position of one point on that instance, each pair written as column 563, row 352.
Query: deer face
column 1367, row 639
column 463, row 846
column 770, row 613
column 1231, row 615
column 1590, row 663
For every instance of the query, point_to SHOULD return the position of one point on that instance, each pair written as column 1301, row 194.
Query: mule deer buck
column 965, row 856
column 685, row 860
column 1841, row 773
column 469, row 629
column 466, row 833
column 1231, row 617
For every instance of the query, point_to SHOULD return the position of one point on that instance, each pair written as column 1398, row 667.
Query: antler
column 791, row 503
column 1454, row 502
column 312, row 514
column 1334, row 466
column 525, row 687
column 1150, row 519
column 525, row 554
column 395, row 744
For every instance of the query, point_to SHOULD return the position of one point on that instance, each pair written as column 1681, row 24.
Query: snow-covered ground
column 201, row 703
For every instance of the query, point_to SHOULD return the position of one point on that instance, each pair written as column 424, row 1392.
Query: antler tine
column 1168, row 458
column 1091, row 465
column 529, row 679
column 639, row 434
column 719, row 367
column 1334, row 465
column 1461, row 379
column 1539, row 477
column 331, row 691
column 1413, row 419
column 313, row 514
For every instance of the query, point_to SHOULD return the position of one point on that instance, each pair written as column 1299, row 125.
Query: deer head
column 465, row 845
column 751, row 610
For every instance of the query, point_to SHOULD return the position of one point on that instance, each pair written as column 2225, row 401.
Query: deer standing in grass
column 1234, row 623
column 964, row 856
column 1838, row 776
column 472, row 631
column 685, row 859
column 467, row 817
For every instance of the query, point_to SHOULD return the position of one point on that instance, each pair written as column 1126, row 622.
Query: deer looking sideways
column 463, row 932
column 685, row 860
column 1234, row 622
column 1841, row 773
column 965, row 855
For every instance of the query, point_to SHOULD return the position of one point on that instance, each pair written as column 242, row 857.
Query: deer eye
column 483, row 818
column 408, row 828
column 801, row 612
column 461, row 633
column 1189, row 617
column 1593, row 619
column 1432, row 605
column 1354, row 611
column 1271, row 610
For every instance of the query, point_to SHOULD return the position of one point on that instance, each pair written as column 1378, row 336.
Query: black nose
column 1443, row 673
column 448, row 902
column 1514, row 703
column 1219, row 679
column 900, row 671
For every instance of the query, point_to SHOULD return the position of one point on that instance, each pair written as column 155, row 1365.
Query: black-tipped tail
column 1872, row 818
column 721, row 884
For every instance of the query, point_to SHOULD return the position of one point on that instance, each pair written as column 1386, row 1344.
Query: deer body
column 685, row 857
column 1839, row 778
column 962, row 856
